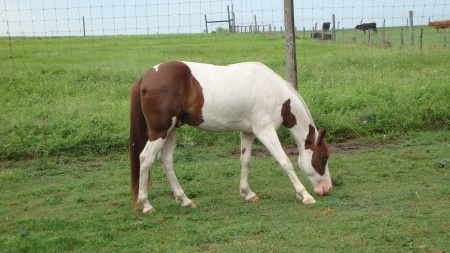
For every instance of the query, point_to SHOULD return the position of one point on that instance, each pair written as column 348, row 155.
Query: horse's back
column 214, row 97
column 237, row 95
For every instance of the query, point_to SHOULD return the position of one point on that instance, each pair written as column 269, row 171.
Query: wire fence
column 67, row 66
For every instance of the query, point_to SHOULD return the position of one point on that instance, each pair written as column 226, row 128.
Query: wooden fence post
column 291, row 59
column 411, row 30
column 401, row 37
column 333, row 31
column 421, row 36
column 445, row 38
column 84, row 28
column 229, row 20
column 383, row 41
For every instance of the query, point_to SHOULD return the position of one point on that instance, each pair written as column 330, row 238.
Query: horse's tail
column 138, row 138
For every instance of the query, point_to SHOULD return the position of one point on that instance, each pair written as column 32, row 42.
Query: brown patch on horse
column 172, row 91
column 289, row 119
column 310, row 140
column 321, row 152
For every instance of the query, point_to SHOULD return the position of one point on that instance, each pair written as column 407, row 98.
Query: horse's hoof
column 309, row 201
column 191, row 205
column 151, row 210
column 253, row 199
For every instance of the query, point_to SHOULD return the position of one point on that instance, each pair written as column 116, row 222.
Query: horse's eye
column 324, row 159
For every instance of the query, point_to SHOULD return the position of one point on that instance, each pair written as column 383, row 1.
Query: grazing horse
column 246, row 97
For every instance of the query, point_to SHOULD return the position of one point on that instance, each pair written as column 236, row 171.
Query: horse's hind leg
column 147, row 158
column 166, row 159
column 246, row 153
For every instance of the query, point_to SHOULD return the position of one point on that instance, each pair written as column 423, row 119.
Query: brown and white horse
column 246, row 97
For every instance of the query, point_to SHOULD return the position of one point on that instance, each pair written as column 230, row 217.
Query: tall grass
column 71, row 94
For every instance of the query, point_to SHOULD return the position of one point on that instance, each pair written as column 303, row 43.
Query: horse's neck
column 303, row 118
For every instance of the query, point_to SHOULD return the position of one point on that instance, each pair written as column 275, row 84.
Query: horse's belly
column 225, row 122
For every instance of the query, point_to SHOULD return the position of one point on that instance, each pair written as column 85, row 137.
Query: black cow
column 367, row 26
column 326, row 26
column 326, row 36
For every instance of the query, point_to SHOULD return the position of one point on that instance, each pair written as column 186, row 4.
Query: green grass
column 388, row 196
column 71, row 94
column 65, row 95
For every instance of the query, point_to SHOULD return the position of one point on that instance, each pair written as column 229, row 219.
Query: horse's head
column 314, row 161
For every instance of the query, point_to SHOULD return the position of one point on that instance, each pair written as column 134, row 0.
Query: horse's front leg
column 270, row 139
column 166, row 159
column 246, row 153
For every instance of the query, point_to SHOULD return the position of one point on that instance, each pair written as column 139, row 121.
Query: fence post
column 333, row 31
column 84, row 28
column 401, row 36
column 229, row 20
column 411, row 30
column 383, row 41
column 421, row 35
column 445, row 37
column 291, row 61
column 206, row 24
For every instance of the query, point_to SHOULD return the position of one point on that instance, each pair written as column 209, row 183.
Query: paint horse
column 246, row 97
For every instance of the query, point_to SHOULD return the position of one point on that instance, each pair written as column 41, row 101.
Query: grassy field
column 71, row 94
column 64, row 166
column 388, row 197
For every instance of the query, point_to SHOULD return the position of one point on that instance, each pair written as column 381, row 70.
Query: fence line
column 49, row 58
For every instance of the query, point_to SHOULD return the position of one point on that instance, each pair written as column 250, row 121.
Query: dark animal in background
column 367, row 26
column 326, row 36
column 326, row 26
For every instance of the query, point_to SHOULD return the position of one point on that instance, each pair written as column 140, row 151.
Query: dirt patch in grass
column 292, row 150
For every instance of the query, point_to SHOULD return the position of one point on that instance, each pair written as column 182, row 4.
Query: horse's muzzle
column 323, row 189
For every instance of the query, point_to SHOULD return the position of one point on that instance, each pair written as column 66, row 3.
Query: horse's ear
column 322, row 133
column 310, row 137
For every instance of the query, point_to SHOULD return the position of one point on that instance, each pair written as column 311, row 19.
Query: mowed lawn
column 390, row 195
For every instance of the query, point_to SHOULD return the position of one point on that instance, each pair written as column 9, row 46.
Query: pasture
column 64, row 161
column 387, row 197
